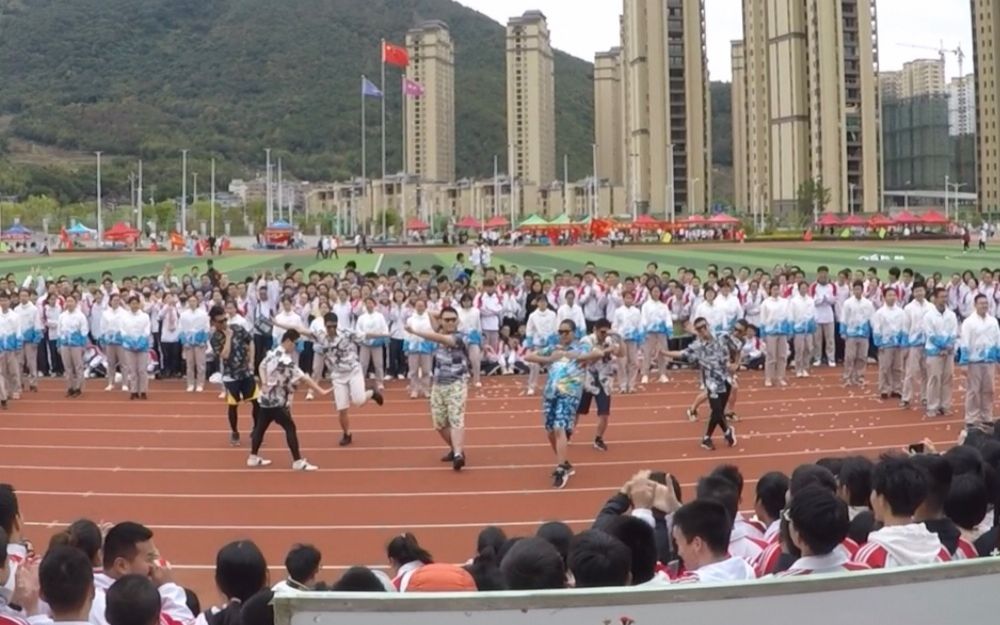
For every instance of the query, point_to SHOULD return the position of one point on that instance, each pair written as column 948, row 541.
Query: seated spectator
column 966, row 507
column 86, row 536
column 359, row 579
column 741, row 525
column 406, row 556
column 533, row 564
column 931, row 511
column 437, row 577
column 639, row 537
column 818, row 523
column 854, row 486
column 772, row 489
column 66, row 584
column 557, row 533
column 15, row 604
column 240, row 573
column 302, row 565
column 258, row 610
column 598, row 560
column 701, row 530
column 133, row 600
column 898, row 489
column 639, row 495
column 492, row 537
column 742, row 542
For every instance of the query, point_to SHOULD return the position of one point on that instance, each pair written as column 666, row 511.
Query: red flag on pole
column 395, row 55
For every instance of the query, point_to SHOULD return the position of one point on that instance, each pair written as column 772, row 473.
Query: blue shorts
column 560, row 412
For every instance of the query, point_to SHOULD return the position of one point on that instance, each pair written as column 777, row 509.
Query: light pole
column 212, row 227
column 138, row 219
column 850, row 197
column 100, row 217
column 184, row 192
column 946, row 185
column 906, row 197
column 671, row 213
column 597, row 187
column 694, row 199
column 194, row 193
column 267, row 189
column 956, row 186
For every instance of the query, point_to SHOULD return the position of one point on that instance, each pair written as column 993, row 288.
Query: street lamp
column 906, row 196
column 850, row 198
column 100, row 217
column 184, row 192
column 693, row 201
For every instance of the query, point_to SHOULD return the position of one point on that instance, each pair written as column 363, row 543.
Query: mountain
column 227, row 78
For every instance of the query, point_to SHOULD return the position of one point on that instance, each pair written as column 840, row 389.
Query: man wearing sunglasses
column 450, row 384
column 234, row 348
column 718, row 357
column 567, row 361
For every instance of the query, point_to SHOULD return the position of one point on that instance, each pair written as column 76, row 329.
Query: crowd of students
column 838, row 515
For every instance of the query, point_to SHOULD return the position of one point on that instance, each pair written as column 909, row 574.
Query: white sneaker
column 644, row 380
column 109, row 387
column 190, row 388
column 222, row 395
column 303, row 465
column 199, row 388
column 805, row 374
column 309, row 396
column 387, row 377
column 530, row 391
column 257, row 461
column 816, row 363
column 832, row 363
column 479, row 385
column 663, row 378
column 782, row 383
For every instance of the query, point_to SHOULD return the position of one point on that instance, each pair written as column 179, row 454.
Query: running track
column 166, row 462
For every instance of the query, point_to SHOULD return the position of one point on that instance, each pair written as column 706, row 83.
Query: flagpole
column 402, row 183
column 383, row 139
column 364, row 153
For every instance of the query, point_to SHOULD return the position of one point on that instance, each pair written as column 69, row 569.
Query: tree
column 813, row 198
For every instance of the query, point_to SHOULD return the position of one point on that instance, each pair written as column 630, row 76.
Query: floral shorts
column 448, row 405
column 560, row 412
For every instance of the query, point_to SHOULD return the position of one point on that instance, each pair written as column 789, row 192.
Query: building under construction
column 916, row 145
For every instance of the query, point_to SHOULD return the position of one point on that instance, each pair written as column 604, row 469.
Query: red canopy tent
column 121, row 231
column 646, row 222
column 906, row 217
column 934, row 218
column 854, row 221
column 723, row 219
column 417, row 224
column 469, row 222
column 828, row 219
column 695, row 220
column 497, row 222
column 881, row 221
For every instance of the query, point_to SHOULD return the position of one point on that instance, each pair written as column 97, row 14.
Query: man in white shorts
column 340, row 351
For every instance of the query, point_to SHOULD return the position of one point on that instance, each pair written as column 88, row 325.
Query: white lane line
column 378, row 263
column 384, row 448
column 716, row 458
column 315, row 528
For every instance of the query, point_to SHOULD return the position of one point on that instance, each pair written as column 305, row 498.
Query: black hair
column 66, row 579
column 832, row 463
column 405, row 549
column 939, row 476
column 492, row 537
column 808, row 474
column 602, row 324
column 257, row 610
column 967, row 501
column 639, row 537
column 358, row 579
column 820, row 518
column 240, row 570
column 330, row 319
column 732, row 473
column 217, row 311
column 302, row 562
column 507, row 546
column 856, row 476
column 121, row 541
column 533, row 564
column 771, row 490
column 599, row 560
column 4, row 542
column 964, row 459
column 448, row 309
column 9, row 509
column 485, row 570
column 133, row 600
column 708, row 520
column 83, row 534
column 570, row 323
column 192, row 601
column 290, row 335
column 720, row 490
column 903, row 484
column 558, row 534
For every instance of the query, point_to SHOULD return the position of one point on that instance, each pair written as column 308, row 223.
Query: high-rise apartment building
column 819, row 61
column 531, row 123
column 890, row 84
column 741, row 187
column 986, row 50
column 923, row 77
column 608, row 117
column 430, row 119
column 667, row 128
column 962, row 105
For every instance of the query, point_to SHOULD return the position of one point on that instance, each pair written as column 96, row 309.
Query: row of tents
column 930, row 218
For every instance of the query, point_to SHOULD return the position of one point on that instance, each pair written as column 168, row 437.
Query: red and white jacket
column 902, row 545
column 732, row 569
column 834, row 562
column 173, row 603
column 767, row 563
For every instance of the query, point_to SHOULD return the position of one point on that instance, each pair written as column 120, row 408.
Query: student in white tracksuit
column 471, row 328
column 855, row 327
column 136, row 340
column 657, row 327
column 71, row 336
column 419, row 352
column 371, row 322
column 979, row 349
column 890, row 336
column 915, row 366
column 32, row 333
column 195, row 330
column 540, row 332
column 111, row 340
column 627, row 323
column 941, row 331
column 802, row 310
column 775, row 327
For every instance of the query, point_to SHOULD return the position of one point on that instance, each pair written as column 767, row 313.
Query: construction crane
column 943, row 52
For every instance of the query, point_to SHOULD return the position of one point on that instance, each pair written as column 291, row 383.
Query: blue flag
column 368, row 89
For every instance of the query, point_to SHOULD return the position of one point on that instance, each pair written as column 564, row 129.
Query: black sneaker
column 560, row 477
column 707, row 444
column 346, row 440
column 884, row 396
column 448, row 457
column 458, row 462
column 234, row 439
column 896, row 395
column 141, row 395
column 3, row 404
column 904, row 404
column 731, row 416
column 377, row 397
column 599, row 444
column 692, row 415
column 730, row 436
column 134, row 396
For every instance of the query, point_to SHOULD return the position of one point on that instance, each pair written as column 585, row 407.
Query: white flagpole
column 382, row 53
column 212, row 228
column 364, row 154
column 402, row 182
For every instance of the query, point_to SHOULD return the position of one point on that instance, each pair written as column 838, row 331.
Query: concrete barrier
column 958, row 592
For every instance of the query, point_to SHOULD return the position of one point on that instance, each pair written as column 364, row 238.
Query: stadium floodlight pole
column 671, row 204
column 596, row 197
column 138, row 207
column 194, row 193
column 496, row 188
column 281, row 194
column 269, row 207
column 184, row 192
column 212, row 213
column 100, row 217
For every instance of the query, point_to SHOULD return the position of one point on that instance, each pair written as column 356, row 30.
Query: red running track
column 166, row 462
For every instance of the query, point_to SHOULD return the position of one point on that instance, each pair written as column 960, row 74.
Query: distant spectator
column 701, row 531
column 597, row 560
column 533, row 564
column 406, row 556
column 302, row 565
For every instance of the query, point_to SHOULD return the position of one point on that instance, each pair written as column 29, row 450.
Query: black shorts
column 602, row 399
column 244, row 389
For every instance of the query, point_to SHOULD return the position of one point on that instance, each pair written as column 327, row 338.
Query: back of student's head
column 257, row 610
column 557, row 533
column 83, row 534
column 404, row 549
column 598, row 559
column 639, row 537
column 855, row 477
column 121, row 542
column 811, row 474
column 819, row 518
column 66, row 580
column 939, row 477
column 492, row 537
column 533, row 564
column 133, row 600
column 720, row 490
column 302, row 563
column 358, row 579
column 901, row 483
column 240, row 570
column 708, row 520
column 9, row 510
column 831, row 463
column 485, row 568
column 967, row 501
column 772, row 488
column 964, row 459
column 732, row 473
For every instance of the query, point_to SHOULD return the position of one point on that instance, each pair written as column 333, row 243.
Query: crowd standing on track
column 596, row 335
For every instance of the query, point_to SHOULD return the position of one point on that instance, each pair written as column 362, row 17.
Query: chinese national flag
column 395, row 55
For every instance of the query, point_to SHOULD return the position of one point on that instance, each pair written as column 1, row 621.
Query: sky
column 583, row 27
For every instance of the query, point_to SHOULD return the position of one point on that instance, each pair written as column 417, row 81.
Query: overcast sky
column 582, row 27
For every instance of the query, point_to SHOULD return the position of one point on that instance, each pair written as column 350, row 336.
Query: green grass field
column 925, row 258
